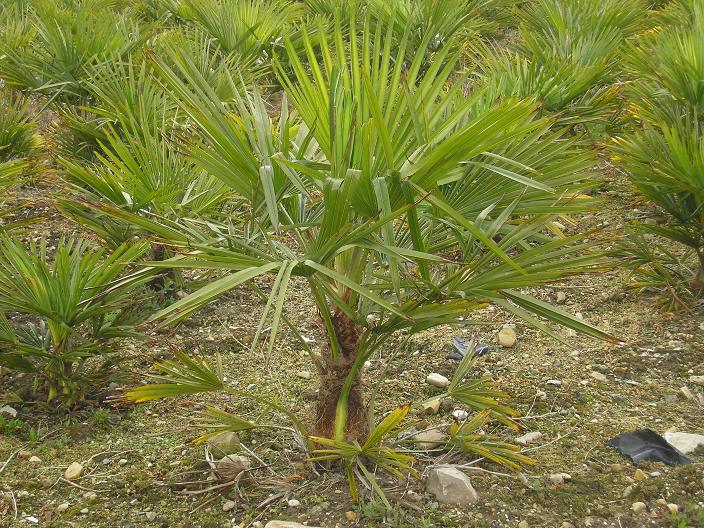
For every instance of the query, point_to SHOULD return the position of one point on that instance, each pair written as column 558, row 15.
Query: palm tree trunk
column 335, row 373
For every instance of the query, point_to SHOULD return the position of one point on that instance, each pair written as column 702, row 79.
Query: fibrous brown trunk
column 334, row 374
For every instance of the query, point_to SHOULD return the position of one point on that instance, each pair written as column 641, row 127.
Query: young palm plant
column 350, row 200
column 53, row 47
column 79, row 303
column 18, row 137
column 664, row 156
column 567, row 57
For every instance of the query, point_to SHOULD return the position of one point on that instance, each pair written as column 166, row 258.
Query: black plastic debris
column 461, row 347
column 646, row 444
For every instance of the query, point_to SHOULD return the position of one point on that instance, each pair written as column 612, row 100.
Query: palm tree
column 663, row 155
column 353, row 193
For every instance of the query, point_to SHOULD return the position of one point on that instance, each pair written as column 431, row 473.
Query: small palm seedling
column 663, row 155
column 78, row 304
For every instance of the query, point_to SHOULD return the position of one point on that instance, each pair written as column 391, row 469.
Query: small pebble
column 529, row 438
column 437, row 380
column 62, row 507
column 638, row 507
column 150, row 515
column 294, row 503
column 460, row 415
column 303, row 374
column 351, row 516
column 229, row 505
column 34, row 460
column 506, row 337
column 598, row 376
column 640, row 475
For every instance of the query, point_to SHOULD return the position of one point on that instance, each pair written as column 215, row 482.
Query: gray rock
column 451, row 486
column 437, row 380
column 561, row 297
column 430, row 439
column 529, row 438
column 225, row 443
column 698, row 380
column 460, row 414
column 686, row 442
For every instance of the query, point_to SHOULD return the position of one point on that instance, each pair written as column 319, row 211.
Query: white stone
column 560, row 478
column 229, row 505
column 62, row 507
column 303, row 374
column 451, row 486
column 598, row 376
column 638, row 507
column 73, row 471
column 437, row 380
column 506, row 337
column 294, row 503
column 686, row 442
column 554, row 382
column 8, row 411
column 34, row 460
column 699, row 380
column 561, row 297
column 529, row 438
column 460, row 415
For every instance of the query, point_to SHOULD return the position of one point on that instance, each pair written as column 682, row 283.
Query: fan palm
column 17, row 127
column 664, row 156
column 53, row 47
column 82, row 305
column 567, row 56
column 353, row 205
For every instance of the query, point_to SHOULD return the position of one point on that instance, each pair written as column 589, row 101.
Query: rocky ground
column 112, row 464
